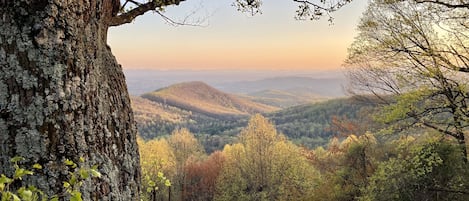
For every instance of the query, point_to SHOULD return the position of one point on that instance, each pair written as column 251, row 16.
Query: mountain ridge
column 326, row 87
column 199, row 97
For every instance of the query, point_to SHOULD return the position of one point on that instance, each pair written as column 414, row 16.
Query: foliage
column 157, row 162
column 345, row 166
column 308, row 125
column 316, row 123
column 201, row 177
column 264, row 166
column 418, row 53
column 185, row 147
column 428, row 170
column 77, row 174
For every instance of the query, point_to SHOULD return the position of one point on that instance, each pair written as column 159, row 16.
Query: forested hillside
column 285, row 98
column 204, row 99
column 314, row 124
column 157, row 120
column 309, row 125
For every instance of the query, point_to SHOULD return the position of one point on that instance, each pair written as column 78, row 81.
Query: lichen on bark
column 63, row 96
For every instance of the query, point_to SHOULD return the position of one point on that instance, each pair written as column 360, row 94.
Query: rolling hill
column 201, row 98
column 308, row 125
column 283, row 98
column 149, row 111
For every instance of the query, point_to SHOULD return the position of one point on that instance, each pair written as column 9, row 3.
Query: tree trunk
column 63, row 96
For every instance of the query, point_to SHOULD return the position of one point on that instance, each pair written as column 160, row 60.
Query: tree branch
column 129, row 16
column 314, row 10
column 446, row 4
column 449, row 191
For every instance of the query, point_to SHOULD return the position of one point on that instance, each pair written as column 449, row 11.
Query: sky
column 230, row 40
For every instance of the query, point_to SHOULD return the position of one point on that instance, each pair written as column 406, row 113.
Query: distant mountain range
column 317, row 83
column 284, row 98
column 201, row 98
column 324, row 87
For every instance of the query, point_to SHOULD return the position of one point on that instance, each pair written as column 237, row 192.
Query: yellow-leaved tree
column 264, row 166
column 158, row 164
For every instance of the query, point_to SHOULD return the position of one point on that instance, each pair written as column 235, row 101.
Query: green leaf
column 160, row 174
column 149, row 190
column 70, row 163
column 82, row 160
column 20, row 172
column 84, row 174
column 95, row 173
column 66, row 184
column 16, row 159
column 5, row 180
column 151, row 184
column 73, row 180
column 37, row 166
column 25, row 194
column 15, row 197
column 54, row 198
column 167, row 183
column 76, row 196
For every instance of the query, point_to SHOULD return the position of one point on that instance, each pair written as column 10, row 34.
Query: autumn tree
column 201, row 177
column 264, row 166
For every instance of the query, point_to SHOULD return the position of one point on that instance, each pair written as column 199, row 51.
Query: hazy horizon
column 229, row 39
column 141, row 81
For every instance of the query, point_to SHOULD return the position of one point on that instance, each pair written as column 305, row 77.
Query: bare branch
column 314, row 11
column 446, row 4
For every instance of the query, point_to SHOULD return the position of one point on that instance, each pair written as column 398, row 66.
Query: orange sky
column 233, row 40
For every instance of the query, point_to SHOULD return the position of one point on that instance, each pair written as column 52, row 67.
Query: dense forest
column 264, row 165
column 308, row 125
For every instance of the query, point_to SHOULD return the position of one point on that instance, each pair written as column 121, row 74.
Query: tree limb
column 129, row 16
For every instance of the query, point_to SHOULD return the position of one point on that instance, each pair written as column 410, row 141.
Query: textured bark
column 63, row 96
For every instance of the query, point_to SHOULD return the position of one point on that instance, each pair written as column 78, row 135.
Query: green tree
column 345, row 167
column 416, row 54
column 428, row 169
column 264, row 166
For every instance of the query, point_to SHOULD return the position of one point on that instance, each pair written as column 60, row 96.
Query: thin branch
column 177, row 23
column 449, row 191
column 446, row 4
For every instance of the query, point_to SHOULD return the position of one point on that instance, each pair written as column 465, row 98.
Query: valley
column 216, row 117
